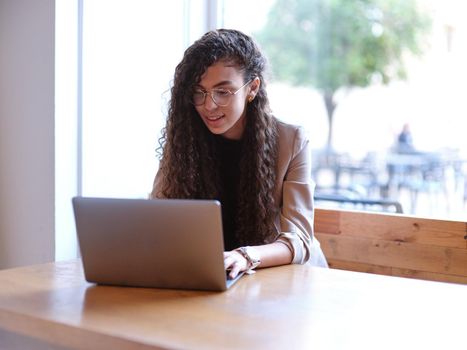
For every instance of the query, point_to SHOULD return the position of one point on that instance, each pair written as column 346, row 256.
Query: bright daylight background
column 432, row 100
column 368, row 120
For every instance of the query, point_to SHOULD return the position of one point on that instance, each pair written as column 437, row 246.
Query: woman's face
column 228, row 121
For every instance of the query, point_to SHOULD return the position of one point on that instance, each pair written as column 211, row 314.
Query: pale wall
column 26, row 132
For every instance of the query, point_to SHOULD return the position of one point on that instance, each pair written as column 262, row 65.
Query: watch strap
column 251, row 257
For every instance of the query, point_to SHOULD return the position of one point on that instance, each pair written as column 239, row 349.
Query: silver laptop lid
column 164, row 243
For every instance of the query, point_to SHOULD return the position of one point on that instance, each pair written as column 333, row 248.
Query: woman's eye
column 222, row 92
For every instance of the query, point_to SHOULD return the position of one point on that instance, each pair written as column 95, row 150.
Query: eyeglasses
column 220, row 97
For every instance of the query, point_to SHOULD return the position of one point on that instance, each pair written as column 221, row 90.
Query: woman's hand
column 272, row 254
column 234, row 262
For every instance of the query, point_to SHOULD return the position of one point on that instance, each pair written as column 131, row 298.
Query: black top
column 229, row 154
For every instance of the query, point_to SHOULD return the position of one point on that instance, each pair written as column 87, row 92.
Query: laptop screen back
column 164, row 243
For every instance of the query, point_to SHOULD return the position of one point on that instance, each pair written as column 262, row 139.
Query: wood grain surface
column 288, row 307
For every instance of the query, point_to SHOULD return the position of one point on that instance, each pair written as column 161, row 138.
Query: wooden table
column 290, row 307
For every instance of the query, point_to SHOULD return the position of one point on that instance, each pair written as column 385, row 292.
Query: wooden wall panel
column 393, row 244
column 392, row 227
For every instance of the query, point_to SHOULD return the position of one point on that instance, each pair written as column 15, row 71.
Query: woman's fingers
column 234, row 262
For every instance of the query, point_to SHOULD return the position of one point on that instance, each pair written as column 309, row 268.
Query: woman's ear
column 254, row 88
column 255, row 84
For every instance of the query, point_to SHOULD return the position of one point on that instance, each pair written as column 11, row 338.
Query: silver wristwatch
column 251, row 255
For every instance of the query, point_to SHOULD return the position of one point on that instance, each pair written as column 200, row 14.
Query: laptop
column 158, row 243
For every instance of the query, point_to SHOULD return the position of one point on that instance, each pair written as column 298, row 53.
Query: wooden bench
column 393, row 244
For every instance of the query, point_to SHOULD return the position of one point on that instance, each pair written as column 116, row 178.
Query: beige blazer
column 293, row 195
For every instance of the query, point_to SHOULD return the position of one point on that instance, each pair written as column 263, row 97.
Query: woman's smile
column 214, row 117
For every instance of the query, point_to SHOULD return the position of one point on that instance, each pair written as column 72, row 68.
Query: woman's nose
column 209, row 103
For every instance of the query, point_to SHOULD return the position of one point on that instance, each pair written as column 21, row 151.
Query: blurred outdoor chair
column 418, row 172
column 343, row 201
column 340, row 170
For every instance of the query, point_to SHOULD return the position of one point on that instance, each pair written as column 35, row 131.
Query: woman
column 222, row 142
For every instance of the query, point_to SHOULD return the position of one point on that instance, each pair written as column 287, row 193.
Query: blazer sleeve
column 296, row 212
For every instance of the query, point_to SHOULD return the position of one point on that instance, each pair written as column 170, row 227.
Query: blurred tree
column 335, row 44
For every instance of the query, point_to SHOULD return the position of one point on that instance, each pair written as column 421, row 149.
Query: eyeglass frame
column 205, row 93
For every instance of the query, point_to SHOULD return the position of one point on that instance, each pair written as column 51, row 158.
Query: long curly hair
column 189, row 158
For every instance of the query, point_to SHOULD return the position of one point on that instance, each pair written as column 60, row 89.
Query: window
column 363, row 162
column 119, row 58
column 130, row 49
